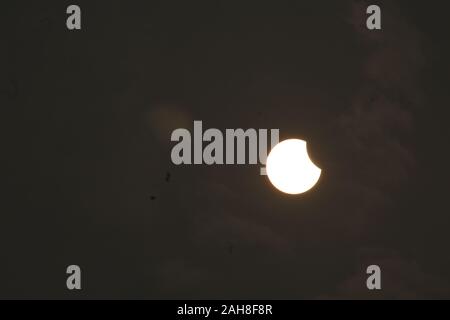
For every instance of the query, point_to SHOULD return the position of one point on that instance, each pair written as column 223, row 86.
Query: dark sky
column 86, row 122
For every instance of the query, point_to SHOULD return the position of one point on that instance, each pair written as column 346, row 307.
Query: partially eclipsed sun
column 289, row 168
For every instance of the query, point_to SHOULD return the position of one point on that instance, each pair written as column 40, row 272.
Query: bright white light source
column 289, row 168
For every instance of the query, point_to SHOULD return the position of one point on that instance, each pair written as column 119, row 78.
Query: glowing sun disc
column 290, row 169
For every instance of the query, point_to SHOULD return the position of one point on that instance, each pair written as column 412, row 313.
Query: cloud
column 379, row 129
column 379, row 124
